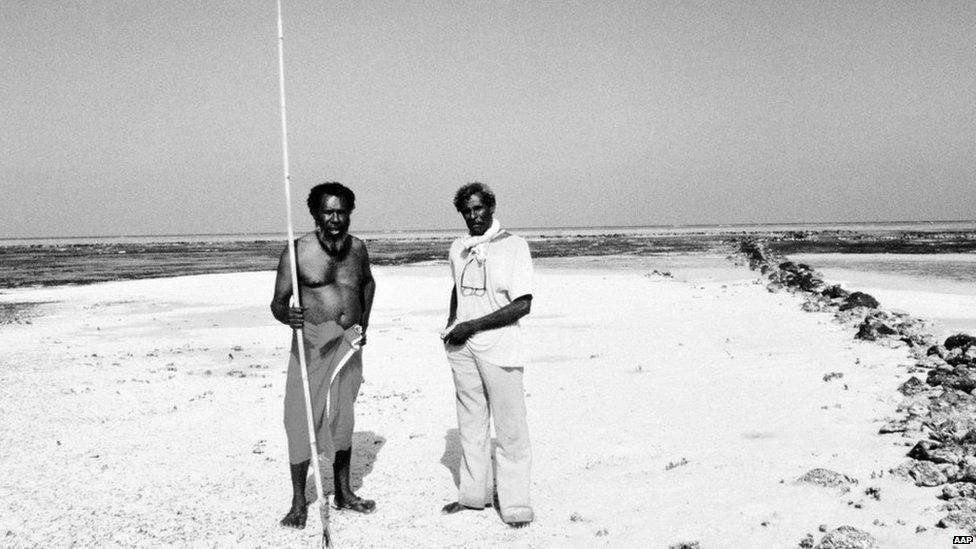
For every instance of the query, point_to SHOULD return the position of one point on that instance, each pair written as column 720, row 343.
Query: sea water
column 407, row 234
column 940, row 288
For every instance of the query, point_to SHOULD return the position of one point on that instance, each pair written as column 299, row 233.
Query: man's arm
column 366, row 292
column 509, row 314
column 280, row 308
column 519, row 283
column 452, row 315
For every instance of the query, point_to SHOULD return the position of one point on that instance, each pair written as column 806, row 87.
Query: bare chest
column 320, row 269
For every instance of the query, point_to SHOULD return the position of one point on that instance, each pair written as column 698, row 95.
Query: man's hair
column 467, row 191
column 332, row 188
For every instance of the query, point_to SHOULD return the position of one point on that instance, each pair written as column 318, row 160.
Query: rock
column 847, row 537
column 755, row 250
column 930, row 361
column 893, row 426
column 959, row 378
column 954, row 357
column 926, row 473
column 774, row 287
column 959, row 490
column 927, row 450
column 961, row 520
column 956, row 341
column 851, row 316
column 835, row 292
column 951, row 471
column 891, row 343
column 969, row 438
column 789, row 279
column 789, row 267
column 937, row 350
column 962, row 356
column 885, row 325
column 809, row 283
column 912, row 387
column 807, row 542
column 685, row 545
column 867, row 332
column 959, row 504
column 917, row 409
column 967, row 469
column 872, row 328
column 915, row 335
column 811, row 307
column 903, row 471
column 827, row 479
column 914, row 425
column 952, row 401
column 859, row 299
column 947, row 452
column 950, row 425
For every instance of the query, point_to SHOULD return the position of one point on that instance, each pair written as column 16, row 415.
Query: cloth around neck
column 479, row 244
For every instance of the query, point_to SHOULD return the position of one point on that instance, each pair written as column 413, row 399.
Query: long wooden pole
column 296, row 299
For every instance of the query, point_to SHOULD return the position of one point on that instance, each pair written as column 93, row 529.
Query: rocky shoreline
column 938, row 410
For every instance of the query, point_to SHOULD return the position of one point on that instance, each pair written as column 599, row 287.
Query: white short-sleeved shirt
column 507, row 276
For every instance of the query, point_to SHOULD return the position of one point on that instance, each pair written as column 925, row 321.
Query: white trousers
column 485, row 390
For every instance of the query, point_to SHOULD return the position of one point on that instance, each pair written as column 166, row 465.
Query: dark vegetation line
column 49, row 264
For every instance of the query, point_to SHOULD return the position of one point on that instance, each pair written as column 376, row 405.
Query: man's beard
column 332, row 244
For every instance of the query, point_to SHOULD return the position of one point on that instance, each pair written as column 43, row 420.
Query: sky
column 144, row 117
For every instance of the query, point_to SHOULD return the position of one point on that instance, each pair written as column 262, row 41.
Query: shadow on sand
column 365, row 447
column 452, row 454
column 451, row 459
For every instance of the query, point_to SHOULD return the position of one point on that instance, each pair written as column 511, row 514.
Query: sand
column 948, row 305
column 662, row 409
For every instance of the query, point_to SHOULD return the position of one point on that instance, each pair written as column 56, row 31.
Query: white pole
column 296, row 300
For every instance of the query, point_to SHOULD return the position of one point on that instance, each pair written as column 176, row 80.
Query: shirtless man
column 336, row 291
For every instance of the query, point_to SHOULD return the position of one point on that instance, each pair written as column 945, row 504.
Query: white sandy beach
column 148, row 413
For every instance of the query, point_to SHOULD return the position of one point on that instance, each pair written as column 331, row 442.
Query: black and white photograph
column 488, row 273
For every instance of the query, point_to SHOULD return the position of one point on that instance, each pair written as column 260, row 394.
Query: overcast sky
column 161, row 117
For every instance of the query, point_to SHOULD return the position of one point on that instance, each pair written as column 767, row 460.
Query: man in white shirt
column 492, row 271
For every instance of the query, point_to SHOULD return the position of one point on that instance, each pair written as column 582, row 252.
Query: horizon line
column 394, row 231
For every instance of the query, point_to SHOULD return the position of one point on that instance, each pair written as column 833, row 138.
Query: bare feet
column 344, row 497
column 355, row 503
column 299, row 507
column 297, row 515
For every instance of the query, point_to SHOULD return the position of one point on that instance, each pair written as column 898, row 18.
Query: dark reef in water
column 885, row 242
column 50, row 264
